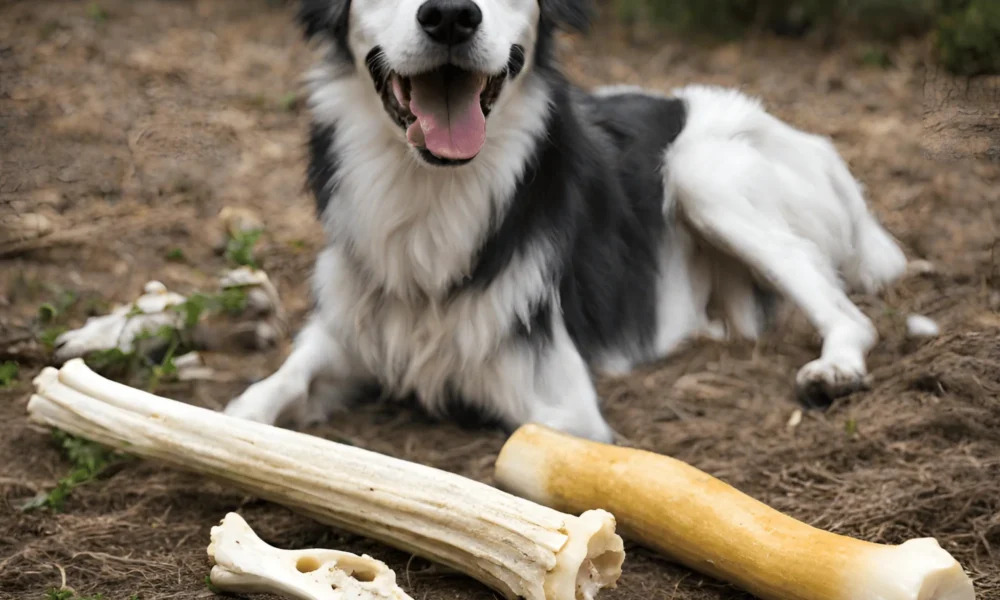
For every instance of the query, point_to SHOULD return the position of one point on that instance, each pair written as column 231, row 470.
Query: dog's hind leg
column 875, row 259
column 317, row 363
column 725, row 190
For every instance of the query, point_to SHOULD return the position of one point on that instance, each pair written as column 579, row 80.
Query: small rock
column 232, row 221
column 236, row 220
column 920, row 268
column 191, row 367
column 795, row 419
column 24, row 226
column 921, row 327
column 267, row 335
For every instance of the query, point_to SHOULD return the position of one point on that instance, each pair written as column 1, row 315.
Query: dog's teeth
column 397, row 91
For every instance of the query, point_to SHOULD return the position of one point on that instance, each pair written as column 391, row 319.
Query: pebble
column 921, row 327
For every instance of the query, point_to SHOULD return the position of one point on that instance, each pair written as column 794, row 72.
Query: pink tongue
column 450, row 122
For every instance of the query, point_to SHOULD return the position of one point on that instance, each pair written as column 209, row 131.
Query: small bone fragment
column 191, row 367
column 236, row 220
column 262, row 323
column 920, row 267
column 262, row 296
column 921, row 328
column 711, row 527
column 245, row 564
column 119, row 329
column 795, row 420
column 517, row 547
column 231, row 222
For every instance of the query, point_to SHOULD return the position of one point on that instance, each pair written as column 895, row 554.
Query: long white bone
column 246, row 564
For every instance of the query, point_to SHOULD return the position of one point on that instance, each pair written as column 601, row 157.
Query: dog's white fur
column 782, row 202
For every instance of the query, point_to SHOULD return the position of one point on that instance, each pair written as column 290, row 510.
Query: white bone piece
column 119, row 329
column 246, row 564
column 919, row 327
column 262, row 296
column 155, row 309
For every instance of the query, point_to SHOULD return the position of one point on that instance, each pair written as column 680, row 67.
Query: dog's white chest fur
column 403, row 235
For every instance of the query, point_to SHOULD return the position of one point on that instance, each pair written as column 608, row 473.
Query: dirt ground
column 129, row 126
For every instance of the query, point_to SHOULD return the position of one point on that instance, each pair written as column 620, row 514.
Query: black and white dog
column 495, row 234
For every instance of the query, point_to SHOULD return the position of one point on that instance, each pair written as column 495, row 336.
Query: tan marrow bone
column 713, row 528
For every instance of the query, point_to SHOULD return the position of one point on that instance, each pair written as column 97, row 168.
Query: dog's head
column 439, row 67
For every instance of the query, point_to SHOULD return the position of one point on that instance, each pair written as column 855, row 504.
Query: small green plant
column 240, row 248
column 51, row 317
column 50, row 312
column 96, row 13
column 139, row 367
column 88, row 461
column 8, row 373
column 49, row 335
column 211, row 586
column 289, row 102
column 851, row 427
column 231, row 301
column 876, row 57
column 176, row 255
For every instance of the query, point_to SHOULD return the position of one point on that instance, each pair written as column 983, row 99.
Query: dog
column 496, row 235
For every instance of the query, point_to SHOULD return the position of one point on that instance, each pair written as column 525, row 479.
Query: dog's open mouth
column 443, row 111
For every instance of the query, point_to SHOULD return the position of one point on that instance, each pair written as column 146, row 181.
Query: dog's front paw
column 243, row 407
column 593, row 428
column 824, row 380
column 266, row 401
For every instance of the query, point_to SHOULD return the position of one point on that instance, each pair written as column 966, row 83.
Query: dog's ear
column 324, row 18
column 574, row 15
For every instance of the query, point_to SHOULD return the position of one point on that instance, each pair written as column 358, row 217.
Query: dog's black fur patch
column 321, row 174
column 594, row 190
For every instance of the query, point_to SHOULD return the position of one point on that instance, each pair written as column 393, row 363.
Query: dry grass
column 131, row 127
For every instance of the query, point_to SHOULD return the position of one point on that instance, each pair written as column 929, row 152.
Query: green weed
column 240, row 248
column 8, row 373
column 88, row 460
column 289, row 102
column 176, row 255
column 96, row 13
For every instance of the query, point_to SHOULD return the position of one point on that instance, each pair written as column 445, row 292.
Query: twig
column 161, row 218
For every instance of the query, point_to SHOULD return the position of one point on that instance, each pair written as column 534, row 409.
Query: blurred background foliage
column 966, row 33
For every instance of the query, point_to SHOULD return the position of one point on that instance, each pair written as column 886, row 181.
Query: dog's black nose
column 449, row 21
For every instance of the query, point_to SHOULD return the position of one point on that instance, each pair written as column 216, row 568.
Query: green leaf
column 96, row 13
column 49, row 336
column 176, row 255
column 8, row 373
column 239, row 249
column 88, row 460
